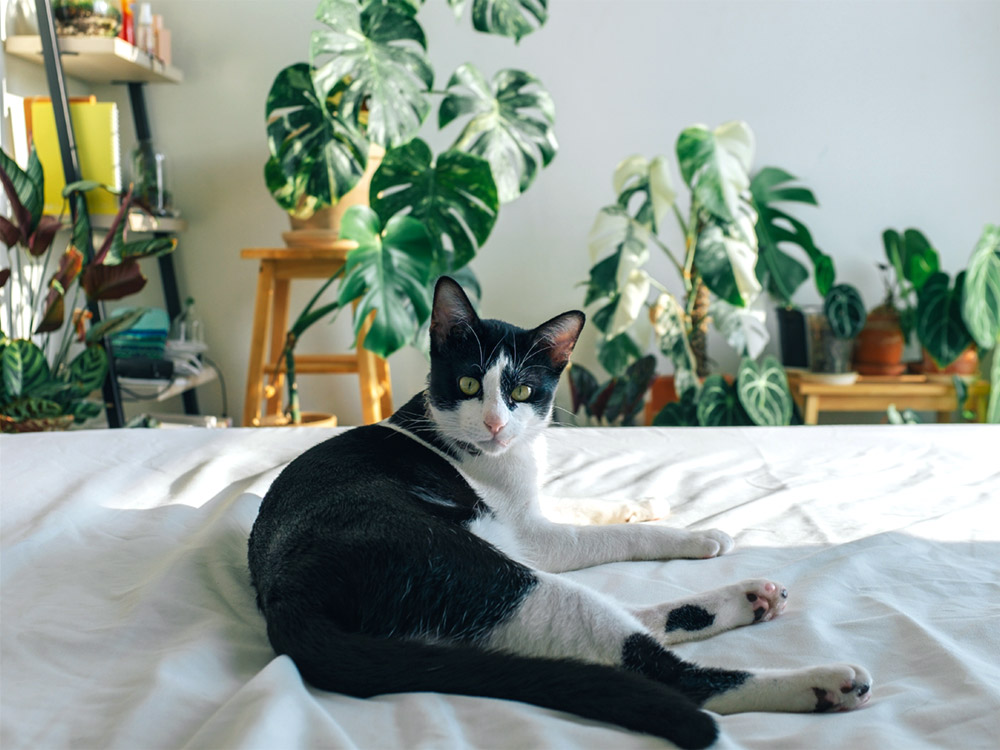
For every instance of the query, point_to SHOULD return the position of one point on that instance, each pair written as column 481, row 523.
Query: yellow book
column 95, row 126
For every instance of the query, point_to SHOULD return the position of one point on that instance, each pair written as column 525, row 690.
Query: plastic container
column 127, row 29
column 144, row 37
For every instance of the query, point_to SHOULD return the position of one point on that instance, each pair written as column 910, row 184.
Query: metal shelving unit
column 103, row 60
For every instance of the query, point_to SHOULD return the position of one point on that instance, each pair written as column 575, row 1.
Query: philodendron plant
column 716, row 270
column 40, row 381
column 369, row 81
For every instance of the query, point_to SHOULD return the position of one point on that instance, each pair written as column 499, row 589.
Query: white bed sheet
column 127, row 619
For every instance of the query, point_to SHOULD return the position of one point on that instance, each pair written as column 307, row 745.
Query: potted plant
column 42, row 385
column 715, row 269
column 979, row 310
column 369, row 85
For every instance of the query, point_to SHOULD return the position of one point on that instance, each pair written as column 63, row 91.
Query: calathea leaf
column 511, row 125
column 44, row 233
column 87, row 370
column 53, row 310
column 719, row 405
column 25, row 190
column 25, row 368
column 682, row 413
column 316, row 158
column 114, row 324
column 940, row 327
column 625, row 400
column 715, row 165
column 455, row 199
column 102, row 282
column 981, row 293
column 582, row 385
column 388, row 274
column 763, row 392
column 514, row 18
column 374, row 58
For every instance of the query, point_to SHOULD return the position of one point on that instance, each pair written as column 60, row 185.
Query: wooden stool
column 278, row 266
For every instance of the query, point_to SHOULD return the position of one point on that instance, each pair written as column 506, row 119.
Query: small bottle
column 127, row 31
column 144, row 38
column 186, row 328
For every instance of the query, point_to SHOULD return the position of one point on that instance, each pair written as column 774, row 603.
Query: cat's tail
column 364, row 666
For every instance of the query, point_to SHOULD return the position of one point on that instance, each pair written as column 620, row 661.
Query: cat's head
column 493, row 383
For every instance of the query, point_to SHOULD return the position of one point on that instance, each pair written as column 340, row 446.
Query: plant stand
column 278, row 266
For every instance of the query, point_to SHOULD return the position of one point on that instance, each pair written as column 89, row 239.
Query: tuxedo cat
column 411, row 555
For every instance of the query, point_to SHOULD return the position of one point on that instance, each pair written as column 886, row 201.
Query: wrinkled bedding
column 127, row 619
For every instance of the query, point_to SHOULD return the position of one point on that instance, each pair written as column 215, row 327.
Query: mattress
column 128, row 621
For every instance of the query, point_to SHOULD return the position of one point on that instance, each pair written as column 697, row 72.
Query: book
column 98, row 148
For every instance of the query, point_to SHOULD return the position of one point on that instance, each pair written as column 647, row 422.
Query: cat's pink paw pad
column 854, row 689
column 766, row 598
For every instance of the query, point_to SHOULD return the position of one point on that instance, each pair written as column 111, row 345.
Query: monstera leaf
column 513, row 18
column 637, row 175
column 845, row 311
column 940, row 327
column 375, row 60
column 725, row 257
column 715, row 165
column 981, row 293
column 745, row 330
column 778, row 271
column 617, row 352
column 719, row 405
column 763, row 392
column 388, row 273
column 315, row 157
column 511, row 125
column 455, row 199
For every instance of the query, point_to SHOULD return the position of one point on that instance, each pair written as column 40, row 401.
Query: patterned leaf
column 316, row 158
column 389, row 273
column 511, row 125
column 981, row 293
column 25, row 190
column 845, row 311
column 514, row 18
column 940, row 327
column 88, row 370
column 375, row 60
column 763, row 392
column 719, row 405
column 112, row 282
column 682, row 413
column 53, row 310
column 637, row 175
column 455, row 199
column 25, row 368
column 715, row 165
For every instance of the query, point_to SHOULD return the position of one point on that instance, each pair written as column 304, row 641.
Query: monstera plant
column 715, row 268
column 369, row 81
column 41, row 385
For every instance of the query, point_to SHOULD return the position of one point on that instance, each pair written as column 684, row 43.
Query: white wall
column 887, row 109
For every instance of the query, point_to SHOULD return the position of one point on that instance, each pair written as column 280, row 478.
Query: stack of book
column 139, row 351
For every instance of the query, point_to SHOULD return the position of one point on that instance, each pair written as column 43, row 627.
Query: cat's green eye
column 468, row 386
column 521, row 393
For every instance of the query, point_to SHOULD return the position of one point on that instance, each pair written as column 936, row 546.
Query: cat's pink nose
column 494, row 425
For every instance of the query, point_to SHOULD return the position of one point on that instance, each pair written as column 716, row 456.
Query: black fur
column 689, row 617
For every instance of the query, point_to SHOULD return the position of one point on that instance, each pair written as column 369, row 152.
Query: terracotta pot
column 322, row 229
column 967, row 363
column 663, row 392
column 878, row 349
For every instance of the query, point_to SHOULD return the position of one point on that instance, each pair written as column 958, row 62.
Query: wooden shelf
column 161, row 390
column 140, row 221
column 98, row 59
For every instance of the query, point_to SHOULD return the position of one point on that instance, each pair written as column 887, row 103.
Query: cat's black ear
column 560, row 335
column 451, row 309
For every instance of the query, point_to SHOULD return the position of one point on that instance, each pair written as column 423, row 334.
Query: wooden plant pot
column 322, row 229
column 967, row 363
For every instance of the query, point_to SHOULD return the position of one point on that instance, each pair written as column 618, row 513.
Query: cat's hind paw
column 711, row 543
column 767, row 599
column 841, row 687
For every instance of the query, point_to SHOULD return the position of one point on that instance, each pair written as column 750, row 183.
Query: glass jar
column 86, row 17
column 149, row 178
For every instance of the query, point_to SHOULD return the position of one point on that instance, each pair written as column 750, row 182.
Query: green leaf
column 637, row 175
column 455, row 199
column 112, row 282
column 115, row 324
column 25, row 190
column 316, row 158
column 920, row 260
column 745, row 330
column 388, row 273
column 725, row 258
column 88, row 370
column 993, row 407
column 778, row 271
column 715, row 165
column 625, row 401
column 617, row 353
column 719, row 405
column 582, row 385
column 845, row 311
column 25, row 368
column 981, row 293
column 683, row 413
column 670, row 325
column 513, row 18
column 940, row 327
column 375, row 60
column 763, row 392
column 510, row 127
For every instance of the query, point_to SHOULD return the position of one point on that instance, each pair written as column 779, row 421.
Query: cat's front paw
column 709, row 543
column 840, row 687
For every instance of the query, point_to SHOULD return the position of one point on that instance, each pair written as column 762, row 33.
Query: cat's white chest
column 500, row 534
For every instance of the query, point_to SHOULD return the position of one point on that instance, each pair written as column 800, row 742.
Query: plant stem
column 294, row 410
column 665, row 249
